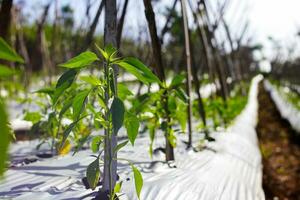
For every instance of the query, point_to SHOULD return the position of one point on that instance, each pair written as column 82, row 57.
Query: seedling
column 8, row 54
column 160, row 116
column 98, row 99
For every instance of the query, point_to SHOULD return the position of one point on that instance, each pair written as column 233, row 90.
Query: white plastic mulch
column 229, row 168
column 286, row 109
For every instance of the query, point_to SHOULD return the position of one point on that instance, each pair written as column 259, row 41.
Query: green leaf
column 63, row 83
column 4, row 138
column 7, row 53
column 123, row 91
column 112, row 82
column 91, row 80
column 49, row 91
column 82, row 60
column 110, row 50
column 68, row 130
column 172, row 138
column 181, row 114
column 117, row 111
column 171, row 104
column 101, row 102
column 138, row 180
column 6, row 71
column 79, row 103
column 118, row 187
column 120, row 146
column 139, row 70
column 103, row 53
column 51, row 124
column 132, row 125
column 99, row 119
column 93, row 174
column 81, row 141
column 152, row 127
column 181, row 95
column 66, row 78
column 91, row 108
column 67, row 105
column 177, row 80
column 141, row 102
column 33, row 117
column 96, row 143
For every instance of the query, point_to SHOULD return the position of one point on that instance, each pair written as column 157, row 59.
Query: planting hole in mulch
column 45, row 155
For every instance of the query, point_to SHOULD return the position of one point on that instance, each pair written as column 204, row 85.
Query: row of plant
column 288, row 93
column 146, row 107
column 96, row 100
column 221, row 114
column 99, row 102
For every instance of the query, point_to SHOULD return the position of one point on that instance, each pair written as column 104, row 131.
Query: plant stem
column 169, row 147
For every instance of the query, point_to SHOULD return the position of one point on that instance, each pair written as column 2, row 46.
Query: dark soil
column 22, row 135
column 280, row 150
column 25, row 135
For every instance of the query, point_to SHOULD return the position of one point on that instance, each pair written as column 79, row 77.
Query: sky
column 276, row 18
column 267, row 18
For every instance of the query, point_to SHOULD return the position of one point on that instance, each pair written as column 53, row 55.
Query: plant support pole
column 121, row 24
column 201, row 108
column 110, row 37
column 159, row 70
column 188, row 69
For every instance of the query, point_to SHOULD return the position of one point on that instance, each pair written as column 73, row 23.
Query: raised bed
column 286, row 109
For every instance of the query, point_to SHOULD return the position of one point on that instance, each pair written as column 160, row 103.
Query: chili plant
column 7, row 54
column 99, row 101
column 55, row 115
column 223, row 114
column 160, row 117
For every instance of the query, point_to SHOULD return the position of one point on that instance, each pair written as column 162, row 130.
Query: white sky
column 276, row 18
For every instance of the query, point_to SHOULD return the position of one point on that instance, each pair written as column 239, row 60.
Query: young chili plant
column 101, row 102
column 53, row 118
column 7, row 54
column 160, row 117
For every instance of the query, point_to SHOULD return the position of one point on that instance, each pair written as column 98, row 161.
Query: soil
column 22, row 135
column 280, row 149
column 25, row 135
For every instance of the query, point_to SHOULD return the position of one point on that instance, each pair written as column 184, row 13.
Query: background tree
column 5, row 16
